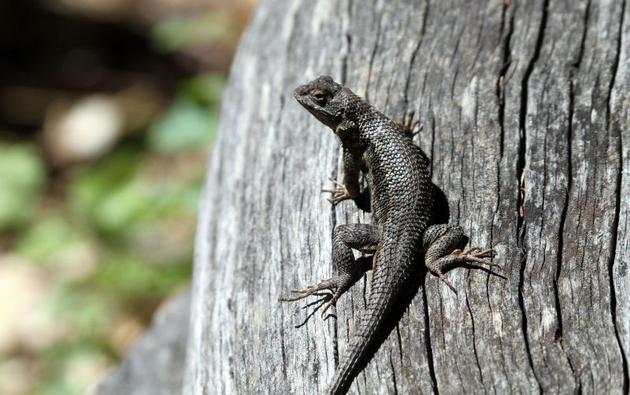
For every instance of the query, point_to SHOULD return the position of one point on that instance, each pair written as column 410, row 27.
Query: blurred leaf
column 205, row 89
column 188, row 198
column 44, row 238
column 84, row 310
column 59, row 360
column 123, row 202
column 22, row 176
column 127, row 277
column 56, row 385
column 181, row 32
column 96, row 182
column 122, row 206
column 107, row 196
column 186, row 126
column 173, row 198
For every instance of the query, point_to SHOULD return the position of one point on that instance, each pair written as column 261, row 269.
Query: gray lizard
column 401, row 199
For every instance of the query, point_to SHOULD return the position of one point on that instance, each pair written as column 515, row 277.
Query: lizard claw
column 410, row 126
column 338, row 194
column 336, row 286
column 326, row 285
column 475, row 255
column 332, row 302
column 445, row 280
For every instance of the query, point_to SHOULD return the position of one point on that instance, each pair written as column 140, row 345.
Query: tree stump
column 526, row 114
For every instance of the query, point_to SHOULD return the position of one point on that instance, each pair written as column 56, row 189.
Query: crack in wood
column 348, row 42
column 615, row 226
column 425, row 15
column 393, row 369
column 563, row 215
column 520, row 171
column 427, row 340
column 371, row 61
column 474, row 339
column 505, row 64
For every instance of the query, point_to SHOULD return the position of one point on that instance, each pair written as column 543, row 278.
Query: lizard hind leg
column 443, row 250
column 361, row 237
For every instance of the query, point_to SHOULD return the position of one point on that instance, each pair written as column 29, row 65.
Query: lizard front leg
column 442, row 246
column 361, row 237
column 350, row 188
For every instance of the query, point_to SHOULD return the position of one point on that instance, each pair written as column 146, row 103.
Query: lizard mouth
column 302, row 97
column 321, row 113
column 324, row 116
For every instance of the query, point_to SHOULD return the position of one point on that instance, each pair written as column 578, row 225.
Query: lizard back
column 399, row 178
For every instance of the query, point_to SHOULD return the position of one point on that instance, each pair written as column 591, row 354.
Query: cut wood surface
column 526, row 114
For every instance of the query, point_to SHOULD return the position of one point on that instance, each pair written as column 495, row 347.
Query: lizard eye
column 319, row 97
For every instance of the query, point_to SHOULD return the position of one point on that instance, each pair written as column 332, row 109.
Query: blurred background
column 108, row 109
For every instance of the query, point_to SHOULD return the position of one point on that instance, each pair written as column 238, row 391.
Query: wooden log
column 526, row 113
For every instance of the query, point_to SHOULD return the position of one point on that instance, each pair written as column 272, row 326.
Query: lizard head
column 321, row 98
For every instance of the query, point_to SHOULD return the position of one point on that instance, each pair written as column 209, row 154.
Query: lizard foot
column 411, row 126
column 473, row 257
column 339, row 194
column 339, row 284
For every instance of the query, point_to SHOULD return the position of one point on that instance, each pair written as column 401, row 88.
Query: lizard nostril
column 300, row 91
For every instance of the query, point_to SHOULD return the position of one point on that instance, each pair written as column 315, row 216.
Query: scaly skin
column 401, row 200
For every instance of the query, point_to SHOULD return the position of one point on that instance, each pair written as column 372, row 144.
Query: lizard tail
column 365, row 341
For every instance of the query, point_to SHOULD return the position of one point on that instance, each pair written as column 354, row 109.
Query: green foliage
column 46, row 238
column 205, row 90
column 186, row 126
column 85, row 309
column 191, row 122
column 118, row 199
column 22, row 176
column 129, row 278
column 62, row 380
column 107, row 196
column 180, row 32
column 114, row 238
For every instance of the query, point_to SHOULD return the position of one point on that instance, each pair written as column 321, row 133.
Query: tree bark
column 526, row 114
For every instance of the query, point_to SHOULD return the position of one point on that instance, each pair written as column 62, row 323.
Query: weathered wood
column 526, row 113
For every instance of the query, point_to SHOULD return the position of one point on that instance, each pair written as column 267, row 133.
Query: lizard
column 401, row 202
